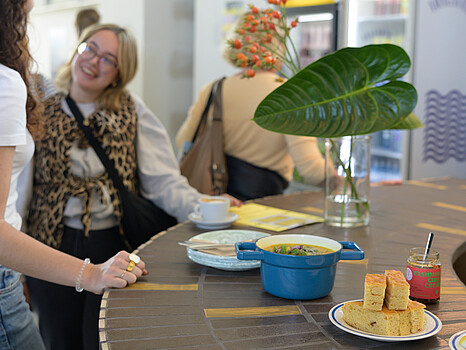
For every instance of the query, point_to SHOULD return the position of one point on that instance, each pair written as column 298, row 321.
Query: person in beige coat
column 259, row 162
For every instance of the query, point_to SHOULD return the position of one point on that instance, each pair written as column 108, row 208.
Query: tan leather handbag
column 204, row 165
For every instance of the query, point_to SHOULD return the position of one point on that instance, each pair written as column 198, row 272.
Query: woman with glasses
column 19, row 118
column 75, row 206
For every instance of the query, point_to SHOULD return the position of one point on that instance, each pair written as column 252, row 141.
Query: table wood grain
column 183, row 305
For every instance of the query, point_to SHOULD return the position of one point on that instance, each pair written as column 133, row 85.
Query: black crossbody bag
column 141, row 219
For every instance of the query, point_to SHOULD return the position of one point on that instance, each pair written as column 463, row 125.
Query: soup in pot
column 298, row 249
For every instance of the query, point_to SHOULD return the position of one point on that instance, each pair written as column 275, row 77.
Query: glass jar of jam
column 423, row 275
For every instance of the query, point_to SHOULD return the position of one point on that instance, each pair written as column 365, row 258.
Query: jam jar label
column 424, row 283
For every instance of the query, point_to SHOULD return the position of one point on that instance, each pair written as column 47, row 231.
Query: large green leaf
column 410, row 122
column 353, row 91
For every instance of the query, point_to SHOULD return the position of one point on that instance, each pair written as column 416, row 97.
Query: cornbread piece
column 374, row 291
column 385, row 322
column 412, row 319
column 416, row 312
column 397, row 292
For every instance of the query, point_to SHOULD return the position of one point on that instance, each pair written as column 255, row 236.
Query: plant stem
column 348, row 180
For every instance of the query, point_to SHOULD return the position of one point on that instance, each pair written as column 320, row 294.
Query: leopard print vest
column 54, row 182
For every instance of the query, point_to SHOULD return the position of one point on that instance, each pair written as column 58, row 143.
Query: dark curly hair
column 14, row 52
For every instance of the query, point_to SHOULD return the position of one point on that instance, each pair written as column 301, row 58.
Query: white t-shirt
column 13, row 132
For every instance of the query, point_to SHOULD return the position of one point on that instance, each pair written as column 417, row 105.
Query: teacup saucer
column 214, row 225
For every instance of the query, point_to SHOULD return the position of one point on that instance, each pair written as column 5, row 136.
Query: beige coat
column 245, row 140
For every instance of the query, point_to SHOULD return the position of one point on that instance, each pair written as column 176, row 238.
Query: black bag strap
column 203, row 120
column 109, row 165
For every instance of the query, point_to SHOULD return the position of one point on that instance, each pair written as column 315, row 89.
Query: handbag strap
column 218, row 101
column 218, row 170
column 203, row 119
column 109, row 164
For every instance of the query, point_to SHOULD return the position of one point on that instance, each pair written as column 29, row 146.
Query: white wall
column 128, row 14
column 168, row 60
column 439, row 149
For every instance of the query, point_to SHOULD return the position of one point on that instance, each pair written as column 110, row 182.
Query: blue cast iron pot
column 298, row 277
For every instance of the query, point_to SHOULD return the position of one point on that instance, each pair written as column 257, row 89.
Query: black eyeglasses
column 88, row 51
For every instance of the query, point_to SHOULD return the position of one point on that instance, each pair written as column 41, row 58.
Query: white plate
column 455, row 340
column 432, row 325
column 213, row 225
column 229, row 263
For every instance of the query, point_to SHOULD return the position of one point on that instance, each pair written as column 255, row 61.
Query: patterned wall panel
column 445, row 127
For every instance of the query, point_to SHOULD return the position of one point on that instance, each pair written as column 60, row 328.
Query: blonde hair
column 127, row 66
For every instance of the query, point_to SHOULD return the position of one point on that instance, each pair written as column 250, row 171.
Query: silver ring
column 123, row 275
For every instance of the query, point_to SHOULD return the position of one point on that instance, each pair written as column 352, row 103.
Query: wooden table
column 166, row 309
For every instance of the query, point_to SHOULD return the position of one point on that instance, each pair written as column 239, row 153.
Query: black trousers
column 68, row 320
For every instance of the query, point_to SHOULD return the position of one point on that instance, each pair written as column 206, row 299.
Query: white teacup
column 212, row 208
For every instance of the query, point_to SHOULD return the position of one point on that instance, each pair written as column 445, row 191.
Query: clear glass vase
column 347, row 181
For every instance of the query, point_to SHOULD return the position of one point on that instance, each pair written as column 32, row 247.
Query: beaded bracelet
column 80, row 275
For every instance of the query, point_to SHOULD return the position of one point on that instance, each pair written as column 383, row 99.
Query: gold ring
column 123, row 275
column 135, row 258
column 130, row 266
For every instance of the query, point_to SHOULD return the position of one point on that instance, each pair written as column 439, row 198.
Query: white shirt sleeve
column 159, row 172
column 12, row 108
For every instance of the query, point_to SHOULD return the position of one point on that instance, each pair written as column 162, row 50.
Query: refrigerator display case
column 379, row 22
column 317, row 32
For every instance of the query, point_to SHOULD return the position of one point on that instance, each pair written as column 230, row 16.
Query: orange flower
column 241, row 56
column 238, row 44
column 250, row 73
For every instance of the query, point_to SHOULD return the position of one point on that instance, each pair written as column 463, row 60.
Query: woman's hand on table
column 233, row 201
column 117, row 272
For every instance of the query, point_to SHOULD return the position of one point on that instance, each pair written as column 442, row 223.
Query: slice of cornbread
column 374, row 291
column 397, row 292
column 416, row 312
column 385, row 322
column 412, row 319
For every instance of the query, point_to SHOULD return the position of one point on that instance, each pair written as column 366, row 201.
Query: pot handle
column 357, row 255
column 249, row 253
